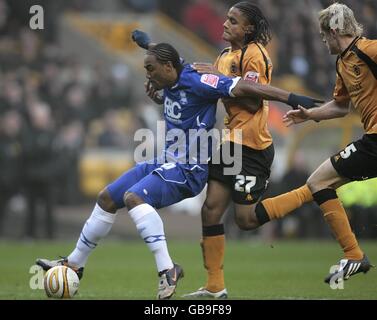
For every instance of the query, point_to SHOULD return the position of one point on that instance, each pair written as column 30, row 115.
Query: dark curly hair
column 254, row 15
column 164, row 53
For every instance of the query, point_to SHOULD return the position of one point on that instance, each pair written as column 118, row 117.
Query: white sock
column 151, row 229
column 96, row 227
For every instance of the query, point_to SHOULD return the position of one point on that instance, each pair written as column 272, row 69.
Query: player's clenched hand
column 202, row 67
column 153, row 93
column 296, row 116
column 141, row 38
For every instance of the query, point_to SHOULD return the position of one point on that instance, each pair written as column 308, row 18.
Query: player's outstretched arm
column 267, row 92
column 329, row 110
column 143, row 40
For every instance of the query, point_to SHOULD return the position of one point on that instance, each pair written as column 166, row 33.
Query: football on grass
column 61, row 282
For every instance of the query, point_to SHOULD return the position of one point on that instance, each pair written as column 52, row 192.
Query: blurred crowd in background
column 53, row 107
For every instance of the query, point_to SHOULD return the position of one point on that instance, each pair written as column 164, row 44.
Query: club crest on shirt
column 183, row 97
column 210, row 79
column 251, row 76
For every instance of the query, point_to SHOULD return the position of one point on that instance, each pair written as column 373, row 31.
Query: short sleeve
column 255, row 68
column 213, row 86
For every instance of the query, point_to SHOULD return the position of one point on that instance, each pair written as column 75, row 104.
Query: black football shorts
column 251, row 182
column 358, row 161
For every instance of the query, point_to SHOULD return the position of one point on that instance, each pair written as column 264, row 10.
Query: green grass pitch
column 253, row 270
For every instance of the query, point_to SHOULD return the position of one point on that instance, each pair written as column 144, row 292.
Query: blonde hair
column 340, row 18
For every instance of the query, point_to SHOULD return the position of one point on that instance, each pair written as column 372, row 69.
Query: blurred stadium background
column 72, row 96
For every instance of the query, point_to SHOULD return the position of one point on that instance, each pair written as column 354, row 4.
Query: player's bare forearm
column 252, row 105
column 256, row 90
column 267, row 92
column 330, row 110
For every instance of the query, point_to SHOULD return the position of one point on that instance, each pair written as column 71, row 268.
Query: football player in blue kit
column 189, row 101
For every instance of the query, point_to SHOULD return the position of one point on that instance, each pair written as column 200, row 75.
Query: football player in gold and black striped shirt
column 356, row 86
column 248, row 32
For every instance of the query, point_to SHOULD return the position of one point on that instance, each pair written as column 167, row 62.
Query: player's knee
column 105, row 202
column 246, row 223
column 253, row 221
column 241, row 222
column 209, row 214
column 131, row 200
column 313, row 184
column 310, row 183
column 317, row 182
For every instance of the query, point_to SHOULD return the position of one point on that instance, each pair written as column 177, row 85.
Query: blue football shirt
column 190, row 114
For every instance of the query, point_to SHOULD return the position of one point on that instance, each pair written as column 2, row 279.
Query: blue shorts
column 160, row 185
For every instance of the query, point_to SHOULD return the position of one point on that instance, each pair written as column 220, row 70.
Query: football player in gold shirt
column 356, row 87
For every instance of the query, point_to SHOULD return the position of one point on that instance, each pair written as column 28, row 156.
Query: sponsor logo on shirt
column 210, row 79
column 356, row 70
column 172, row 109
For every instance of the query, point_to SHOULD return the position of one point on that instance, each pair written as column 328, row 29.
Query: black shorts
column 358, row 161
column 251, row 182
